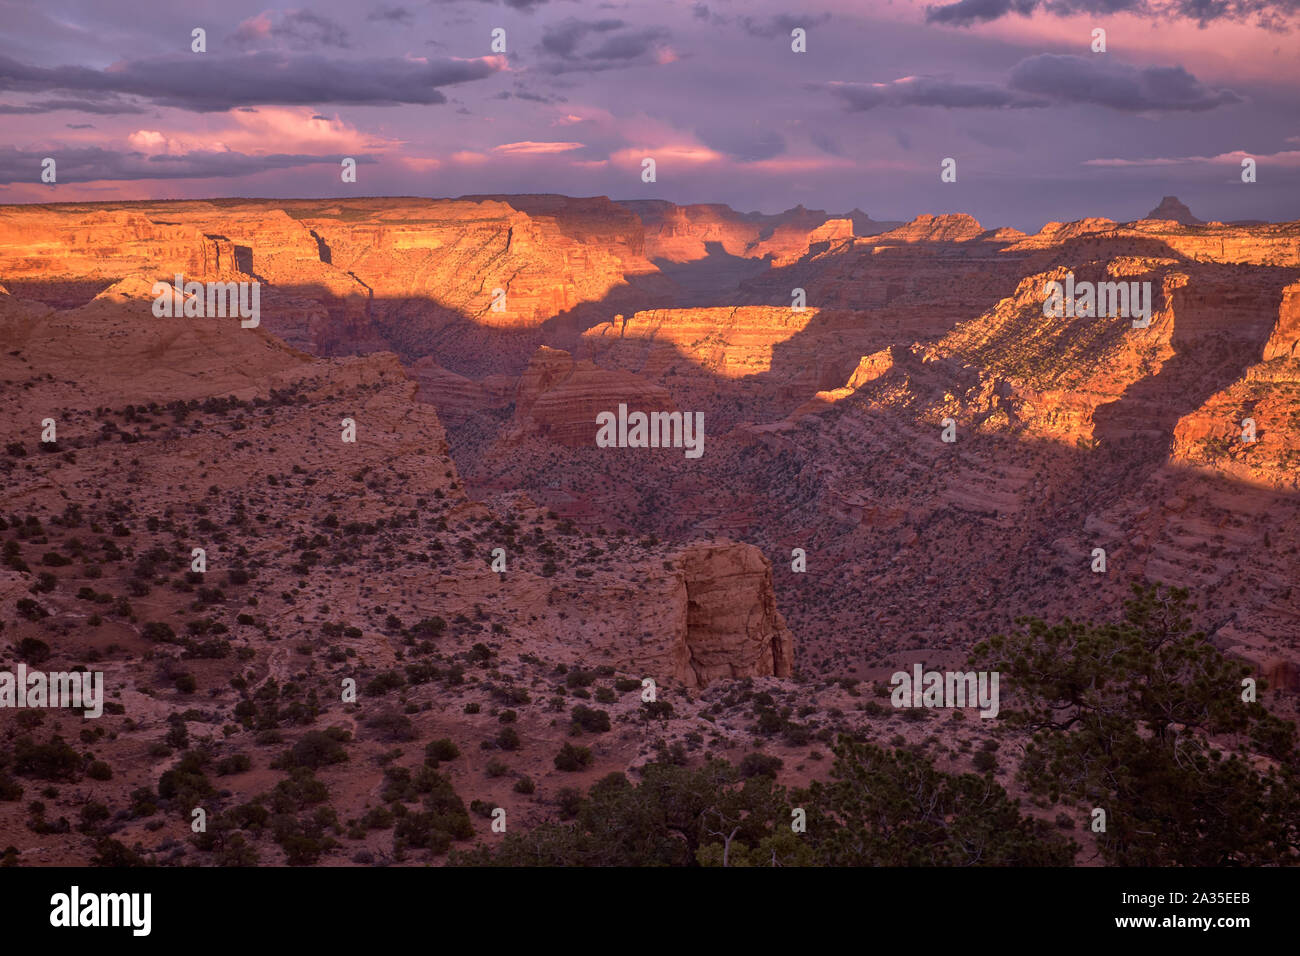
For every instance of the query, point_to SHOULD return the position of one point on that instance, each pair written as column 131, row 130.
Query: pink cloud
column 801, row 164
column 683, row 153
column 529, row 148
column 270, row 129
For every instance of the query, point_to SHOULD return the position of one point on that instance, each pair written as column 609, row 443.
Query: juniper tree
column 1145, row 719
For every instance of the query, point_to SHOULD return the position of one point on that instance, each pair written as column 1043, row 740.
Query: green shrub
column 759, row 765
column 571, row 758
column 441, row 749
column 315, row 749
column 590, row 719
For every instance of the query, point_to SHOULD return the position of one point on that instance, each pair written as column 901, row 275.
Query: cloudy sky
column 1041, row 126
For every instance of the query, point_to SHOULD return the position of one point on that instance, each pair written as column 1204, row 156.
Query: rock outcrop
column 727, row 622
column 559, row 397
column 1172, row 208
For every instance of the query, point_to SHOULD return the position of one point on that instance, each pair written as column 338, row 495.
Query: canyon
column 827, row 537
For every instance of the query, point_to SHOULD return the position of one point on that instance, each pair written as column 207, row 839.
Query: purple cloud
column 931, row 91
column 1078, row 79
column 1277, row 15
column 211, row 83
column 91, row 163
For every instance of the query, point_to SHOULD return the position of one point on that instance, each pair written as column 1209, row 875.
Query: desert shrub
column 315, row 749
column 235, row 763
column 158, row 631
column 441, row 749
column 32, row 650
column 571, row 758
column 52, row 760
column 590, row 719
column 984, row 761
column 392, row 725
column 759, row 765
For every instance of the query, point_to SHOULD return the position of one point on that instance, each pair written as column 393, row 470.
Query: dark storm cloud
column 574, row 45
column 105, row 107
column 1047, row 79
column 1077, row 79
column 780, row 25
column 563, row 38
column 92, row 163
column 932, row 91
column 965, row 12
column 1278, row 15
column 212, row 83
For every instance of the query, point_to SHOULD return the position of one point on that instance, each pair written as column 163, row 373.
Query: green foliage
column 158, row 631
column 1145, row 719
column 235, row 763
column 590, row 719
column 299, row 790
column 571, row 758
column 443, row 819
column 759, row 764
column 893, row 808
column 667, row 819
column 315, row 749
column 186, row 783
column 439, row 750
column 53, row 760
column 115, row 854
column 984, row 761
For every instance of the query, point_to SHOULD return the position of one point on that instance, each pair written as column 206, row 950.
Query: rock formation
column 1171, row 208
column 730, row 627
column 559, row 398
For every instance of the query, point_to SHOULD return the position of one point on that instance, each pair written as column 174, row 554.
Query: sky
column 1042, row 127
